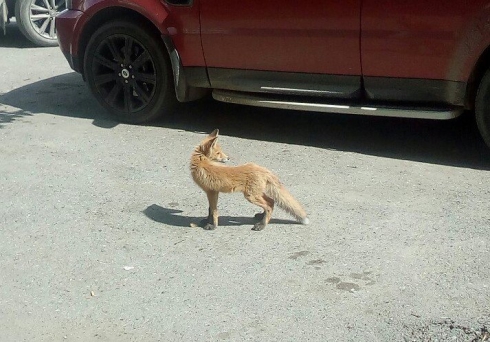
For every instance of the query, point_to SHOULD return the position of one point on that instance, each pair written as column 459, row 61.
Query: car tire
column 482, row 108
column 128, row 71
column 36, row 20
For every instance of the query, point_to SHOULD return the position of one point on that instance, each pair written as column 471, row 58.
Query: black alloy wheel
column 129, row 73
column 124, row 73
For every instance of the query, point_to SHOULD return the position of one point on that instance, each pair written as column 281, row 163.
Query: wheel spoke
column 53, row 3
column 127, row 99
column 35, row 17
column 142, row 59
column 104, row 78
column 141, row 93
column 38, row 8
column 115, row 52
column 144, row 77
column 42, row 28
column 52, row 29
column 105, row 62
column 46, row 3
column 128, row 46
column 111, row 97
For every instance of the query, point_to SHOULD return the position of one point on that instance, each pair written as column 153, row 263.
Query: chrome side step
column 259, row 100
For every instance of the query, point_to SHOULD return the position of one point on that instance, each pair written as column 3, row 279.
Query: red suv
column 417, row 59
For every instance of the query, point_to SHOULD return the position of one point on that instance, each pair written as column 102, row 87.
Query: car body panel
column 418, row 90
column 321, row 37
column 363, row 51
column 438, row 40
column 66, row 22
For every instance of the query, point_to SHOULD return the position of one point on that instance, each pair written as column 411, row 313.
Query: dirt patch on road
column 449, row 330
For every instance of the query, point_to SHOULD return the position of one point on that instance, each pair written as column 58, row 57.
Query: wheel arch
column 183, row 91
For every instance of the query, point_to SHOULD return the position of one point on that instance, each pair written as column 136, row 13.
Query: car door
column 415, row 50
column 283, row 46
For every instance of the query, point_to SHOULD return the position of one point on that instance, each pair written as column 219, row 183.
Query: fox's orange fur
column 259, row 185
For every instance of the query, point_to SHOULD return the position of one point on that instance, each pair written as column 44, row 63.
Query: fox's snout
column 218, row 155
column 222, row 159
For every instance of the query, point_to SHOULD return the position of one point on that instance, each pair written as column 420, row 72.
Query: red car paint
column 419, row 39
column 382, row 38
column 180, row 23
column 322, row 37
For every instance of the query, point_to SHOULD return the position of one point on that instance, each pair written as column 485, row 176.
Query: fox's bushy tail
column 284, row 200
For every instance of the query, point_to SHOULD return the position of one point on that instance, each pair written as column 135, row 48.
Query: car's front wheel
column 36, row 20
column 128, row 71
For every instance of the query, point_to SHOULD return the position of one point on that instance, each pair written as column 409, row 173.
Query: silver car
column 35, row 18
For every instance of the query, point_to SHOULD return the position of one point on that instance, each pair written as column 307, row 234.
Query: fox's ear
column 214, row 134
column 213, row 141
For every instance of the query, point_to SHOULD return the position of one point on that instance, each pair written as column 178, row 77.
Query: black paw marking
column 259, row 216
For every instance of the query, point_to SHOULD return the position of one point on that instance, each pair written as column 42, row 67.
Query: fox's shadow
column 172, row 217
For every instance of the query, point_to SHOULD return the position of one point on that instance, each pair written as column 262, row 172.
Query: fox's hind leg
column 212, row 221
column 260, row 216
column 265, row 203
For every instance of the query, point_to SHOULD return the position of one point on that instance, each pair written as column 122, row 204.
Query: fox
column 258, row 184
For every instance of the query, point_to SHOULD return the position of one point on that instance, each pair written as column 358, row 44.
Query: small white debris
column 128, row 268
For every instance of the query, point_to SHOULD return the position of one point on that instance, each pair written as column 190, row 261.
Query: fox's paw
column 210, row 226
column 258, row 226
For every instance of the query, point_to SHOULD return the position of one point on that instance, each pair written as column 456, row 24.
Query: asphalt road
column 96, row 242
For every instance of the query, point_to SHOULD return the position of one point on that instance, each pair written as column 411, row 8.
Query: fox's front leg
column 213, row 210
